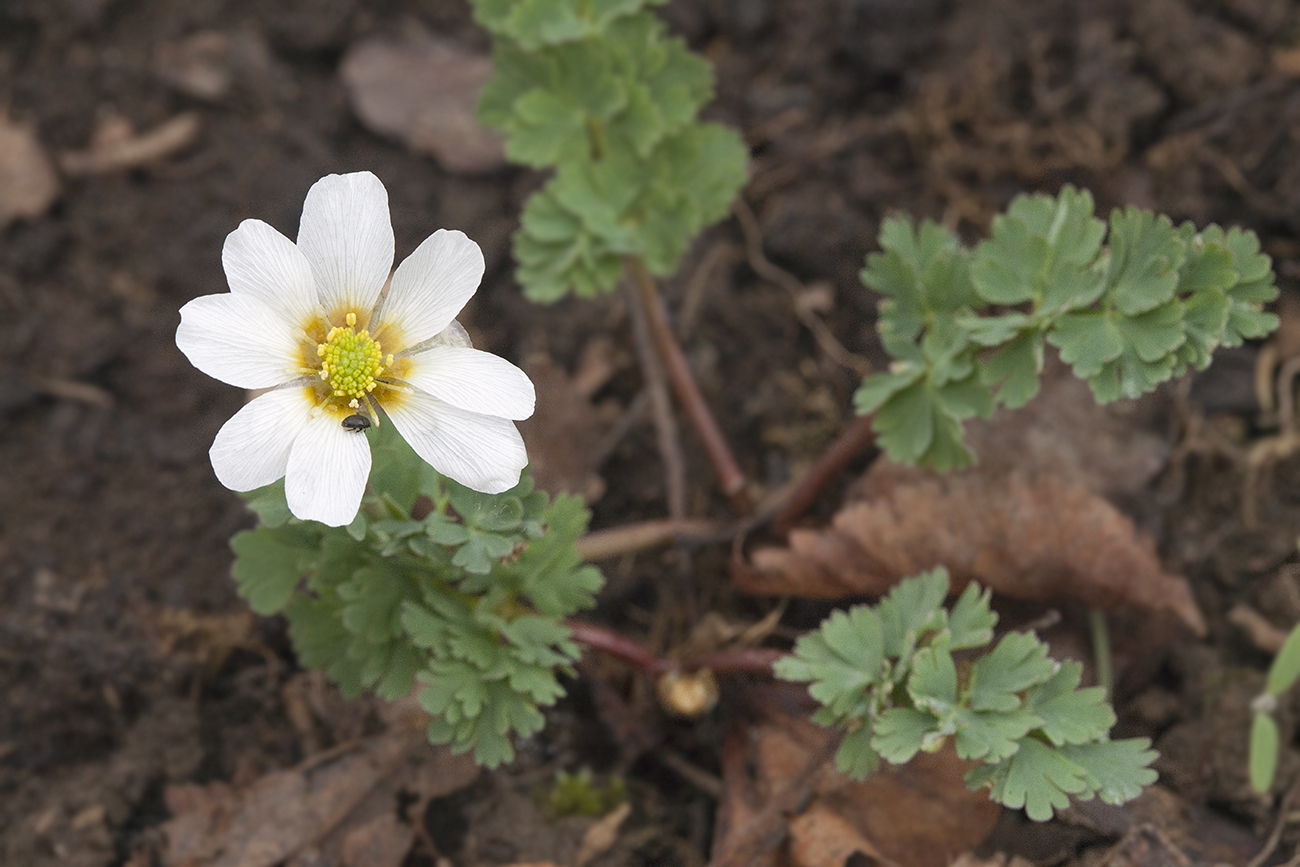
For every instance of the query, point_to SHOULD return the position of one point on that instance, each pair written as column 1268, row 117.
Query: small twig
column 670, row 447
column 631, row 538
column 707, row 783
column 697, row 410
column 855, row 440
column 162, row 140
column 768, row 827
column 764, row 268
column 755, row 661
column 1276, row 836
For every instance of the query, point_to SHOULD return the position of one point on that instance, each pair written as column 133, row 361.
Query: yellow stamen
column 350, row 361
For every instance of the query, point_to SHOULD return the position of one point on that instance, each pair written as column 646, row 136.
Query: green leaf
column 269, row 563
column 840, row 660
column 912, row 605
column 1087, row 341
column 1070, row 715
column 922, row 270
column 1116, row 770
column 1264, row 744
column 1284, row 671
column 971, row 621
column 1145, row 255
column 1037, row 778
column 269, row 504
column 1014, row 369
column 900, row 732
column 855, row 756
column 549, row 571
column 374, row 597
column 1041, row 251
column 933, row 683
column 992, row 736
column 1018, row 662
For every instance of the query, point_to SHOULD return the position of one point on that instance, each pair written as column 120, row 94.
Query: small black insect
column 356, row 423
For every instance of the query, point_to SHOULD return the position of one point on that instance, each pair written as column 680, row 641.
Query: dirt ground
column 137, row 688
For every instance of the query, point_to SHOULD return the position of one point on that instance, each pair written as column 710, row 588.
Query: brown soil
column 127, row 663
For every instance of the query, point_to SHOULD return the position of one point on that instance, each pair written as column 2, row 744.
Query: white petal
column 262, row 263
column 480, row 451
column 430, row 287
column 347, row 237
column 240, row 341
column 327, row 472
column 252, row 449
column 473, row 380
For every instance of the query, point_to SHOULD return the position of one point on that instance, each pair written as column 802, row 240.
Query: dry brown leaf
column 116, row 147
column 422, row 90
column 966, row 859
column 28, row 184
column 602, row 835
column 915, row 815
column 334, row 810
column 1038, row 539
column 823, row 838
column 1030, row 521
column 566, row 432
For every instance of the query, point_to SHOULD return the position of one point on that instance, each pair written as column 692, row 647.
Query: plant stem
column 734, row 660
column 1101, row 649
column 697, row 410
column 855, row 440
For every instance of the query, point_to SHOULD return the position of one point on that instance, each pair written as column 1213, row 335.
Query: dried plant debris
column 915, row 815
column 1038, row 539
column 28, row 184
column 337, row 809
column 1031, row 521
column 422, row 90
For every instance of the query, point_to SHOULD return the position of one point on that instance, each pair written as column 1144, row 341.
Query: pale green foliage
column 1264, row 736
column 887, row 675
column 466, row 601
column 599, row 92
column 1129, row 305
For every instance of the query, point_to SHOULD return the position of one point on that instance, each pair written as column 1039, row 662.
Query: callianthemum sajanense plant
column 312, row 322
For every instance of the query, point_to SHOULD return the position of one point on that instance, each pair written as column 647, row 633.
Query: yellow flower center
column 351, row 361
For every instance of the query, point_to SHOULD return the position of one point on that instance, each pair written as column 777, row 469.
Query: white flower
column 310, row 321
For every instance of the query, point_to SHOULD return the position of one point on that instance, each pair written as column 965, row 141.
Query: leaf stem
column 697, row 410
column 1101, row 649
column 855, row 440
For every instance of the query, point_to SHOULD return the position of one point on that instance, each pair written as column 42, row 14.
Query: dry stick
column 855, row 440
column 764, row 268
column 730, row 477
column 630, row 538
column 735, row 660
column 670, row 443
column 769, row 826
column 670, row 448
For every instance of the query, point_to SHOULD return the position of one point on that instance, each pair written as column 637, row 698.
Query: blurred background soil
column 135, row 134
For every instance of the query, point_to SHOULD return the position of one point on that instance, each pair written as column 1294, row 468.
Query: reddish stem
column 697, row 410
column 732, row 661
column 855, row 440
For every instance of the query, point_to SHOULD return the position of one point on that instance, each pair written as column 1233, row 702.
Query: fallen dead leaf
column 567, row 432
column 28, row 183
column 116, row 147
column 602, row 835
column 423, row 90
column 822, row 838
column 1040, row 540
column 334, row 810
column 966, row 859
column 915, row 815
column 1031, row 521
column 1146, row 846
